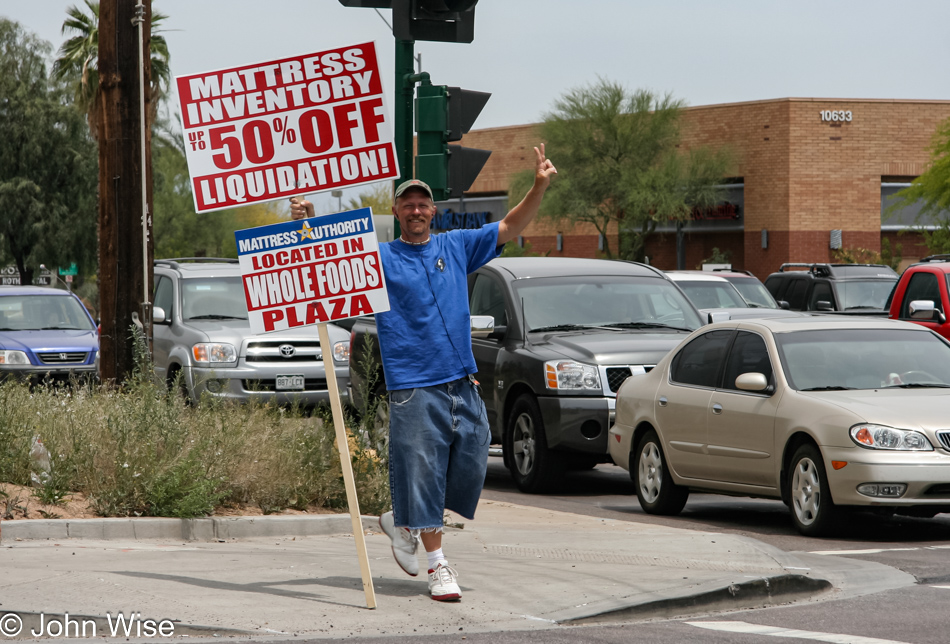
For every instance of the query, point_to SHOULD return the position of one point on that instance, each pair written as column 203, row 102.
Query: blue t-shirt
column 425, row 338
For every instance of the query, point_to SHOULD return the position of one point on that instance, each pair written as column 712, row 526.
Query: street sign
column 72, row 270
column 10, row 276
column 280, row 128
column 306, row 272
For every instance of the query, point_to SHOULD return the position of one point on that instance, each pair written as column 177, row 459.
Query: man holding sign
column 438, row 432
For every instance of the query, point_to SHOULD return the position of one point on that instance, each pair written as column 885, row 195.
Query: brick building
column 811, row 174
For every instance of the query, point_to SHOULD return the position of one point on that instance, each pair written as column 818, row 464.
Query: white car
column 708, row 290
column 820, row 412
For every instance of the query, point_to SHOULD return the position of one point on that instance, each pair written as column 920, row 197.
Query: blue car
column 46, row 334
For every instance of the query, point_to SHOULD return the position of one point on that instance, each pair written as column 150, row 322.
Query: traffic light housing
column 438, row 20
column 444, row 114
column 368, row 4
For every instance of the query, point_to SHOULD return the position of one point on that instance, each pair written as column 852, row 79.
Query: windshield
column 864, row 294
column 37, row 312
column 603, row 301
column 754, row 292
column 213, row 298
column 864, row 359
column 712, row 295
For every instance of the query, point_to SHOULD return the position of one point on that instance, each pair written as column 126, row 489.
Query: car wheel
column 813, row 512
column 656, row 491
column 176, row 380
column 533, row 466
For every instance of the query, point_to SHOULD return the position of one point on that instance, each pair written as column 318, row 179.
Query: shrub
column 141, row 450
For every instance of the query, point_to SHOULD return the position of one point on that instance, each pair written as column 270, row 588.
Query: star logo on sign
column 307, row 232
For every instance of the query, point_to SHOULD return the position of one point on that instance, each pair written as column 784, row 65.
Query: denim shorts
column 438, row 452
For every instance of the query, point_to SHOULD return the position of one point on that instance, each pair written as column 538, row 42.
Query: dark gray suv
column 201, row 331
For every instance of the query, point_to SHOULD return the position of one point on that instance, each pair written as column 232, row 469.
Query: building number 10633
column 835, row 115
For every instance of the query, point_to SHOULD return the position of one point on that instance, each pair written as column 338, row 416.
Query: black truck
column 566, row 334
column 848, row 289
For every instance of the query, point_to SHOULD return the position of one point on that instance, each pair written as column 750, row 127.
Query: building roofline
column 804, row 99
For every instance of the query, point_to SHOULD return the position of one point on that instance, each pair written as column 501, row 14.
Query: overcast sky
column 528, row 52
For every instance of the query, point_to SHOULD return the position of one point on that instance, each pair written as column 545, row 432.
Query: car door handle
column 717, row 408
column 662, row 401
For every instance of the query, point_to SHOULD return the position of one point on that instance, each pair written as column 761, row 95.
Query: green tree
column 932, row 190
column 179, row 230
column 378, row 198
column 48, row 163
column 78, row 58
column 618, row 164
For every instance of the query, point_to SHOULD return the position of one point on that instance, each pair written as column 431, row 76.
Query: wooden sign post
column 346, row 465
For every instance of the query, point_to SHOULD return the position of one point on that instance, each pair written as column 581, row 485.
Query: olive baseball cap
column 413, row 183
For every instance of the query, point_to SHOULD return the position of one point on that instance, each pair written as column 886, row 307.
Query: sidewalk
column 519, row 568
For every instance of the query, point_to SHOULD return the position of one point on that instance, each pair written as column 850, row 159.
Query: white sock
column 435, row 557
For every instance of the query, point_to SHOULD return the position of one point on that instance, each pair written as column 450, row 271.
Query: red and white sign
column 298, row 273
column 286, row 127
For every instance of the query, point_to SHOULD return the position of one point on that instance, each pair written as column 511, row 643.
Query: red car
column 922, row 294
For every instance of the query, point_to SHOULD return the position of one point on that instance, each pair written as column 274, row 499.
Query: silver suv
column 201, row 331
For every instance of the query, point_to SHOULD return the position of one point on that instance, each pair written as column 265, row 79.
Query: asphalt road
column 911, row 615
column 920, row 547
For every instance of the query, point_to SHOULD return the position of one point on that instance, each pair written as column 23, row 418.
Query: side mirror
column 158, row 315
column 824, row 305
column 498, row 333
column 782, row 304
column 752, row 382
column 718, row 316
column 482, row 326
column 923, row 310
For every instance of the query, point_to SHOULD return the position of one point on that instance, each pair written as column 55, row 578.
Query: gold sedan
column 820, row 412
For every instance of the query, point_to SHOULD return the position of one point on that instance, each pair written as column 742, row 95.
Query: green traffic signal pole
column 405, row 85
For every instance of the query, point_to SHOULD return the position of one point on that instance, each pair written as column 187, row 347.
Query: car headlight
column 14, row 358
column 211, row 352
column 882, row 437
column 567, row 374
column 341, row 351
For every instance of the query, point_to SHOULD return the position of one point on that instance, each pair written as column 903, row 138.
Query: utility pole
column 124, row 259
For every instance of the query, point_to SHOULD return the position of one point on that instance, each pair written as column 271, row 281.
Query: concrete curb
column 205, row 529
column 754, row 593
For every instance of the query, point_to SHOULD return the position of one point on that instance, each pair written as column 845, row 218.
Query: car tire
column 176, row 380
column 656, row 491
column 813, row 511
column 533, row 466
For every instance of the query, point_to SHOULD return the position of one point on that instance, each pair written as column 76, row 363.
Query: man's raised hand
column 544, row 168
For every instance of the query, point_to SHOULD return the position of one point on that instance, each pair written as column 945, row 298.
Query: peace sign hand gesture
column 544, row 168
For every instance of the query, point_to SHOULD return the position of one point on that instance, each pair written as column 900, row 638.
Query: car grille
column 617, row 375
column 270, row 352
column 941, row 490
column 944, row 437
column 66, row 357
column 310, row 384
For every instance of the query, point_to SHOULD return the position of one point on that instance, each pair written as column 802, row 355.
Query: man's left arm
column 521, row 215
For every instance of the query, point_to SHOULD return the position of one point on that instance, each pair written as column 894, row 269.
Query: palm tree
column 78, row 58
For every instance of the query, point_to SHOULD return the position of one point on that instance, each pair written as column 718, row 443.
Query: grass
column 140, row 450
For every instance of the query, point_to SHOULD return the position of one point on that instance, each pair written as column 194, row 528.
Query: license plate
column 289, row 383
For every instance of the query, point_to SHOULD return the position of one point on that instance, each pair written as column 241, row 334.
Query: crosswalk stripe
column 947, row 587
column 869, row 551
column 873, row 551
column 775, row 631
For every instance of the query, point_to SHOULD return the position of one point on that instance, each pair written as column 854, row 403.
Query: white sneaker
column 404, row 544
column 442, row 583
